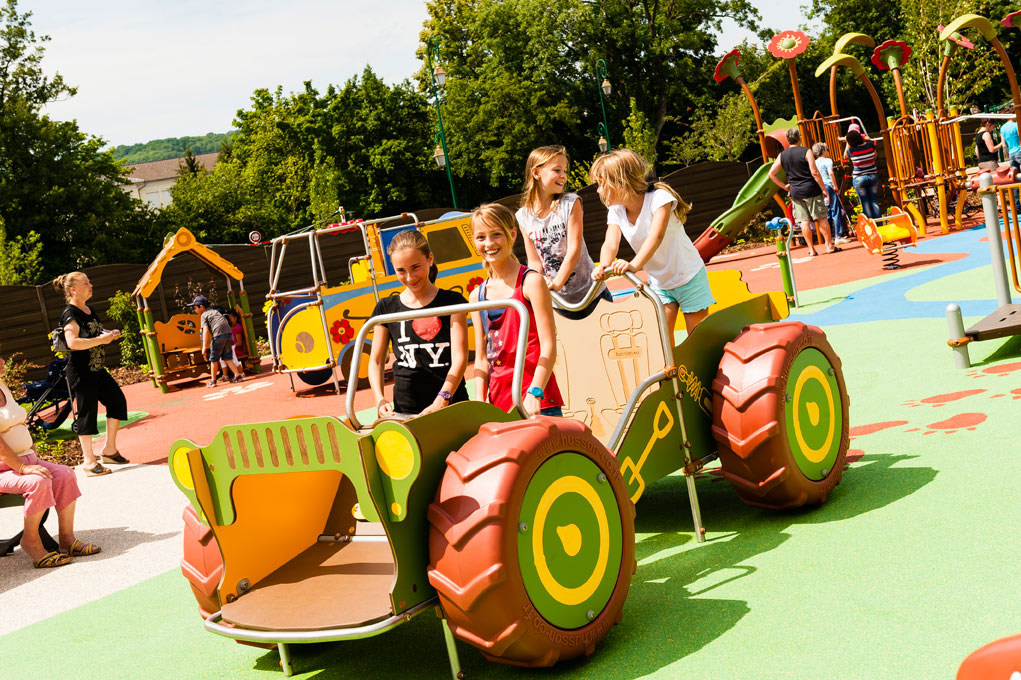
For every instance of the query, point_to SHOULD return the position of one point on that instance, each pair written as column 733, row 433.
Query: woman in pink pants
column 44, row 485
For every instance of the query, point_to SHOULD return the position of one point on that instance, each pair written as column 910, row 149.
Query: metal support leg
column 955, row 324
column 696, row 512
column 285, row 659
column 448, row 637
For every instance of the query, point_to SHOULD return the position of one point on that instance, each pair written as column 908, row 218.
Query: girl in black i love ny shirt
column 430, row 354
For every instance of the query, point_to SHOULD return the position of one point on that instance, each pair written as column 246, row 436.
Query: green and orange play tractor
column 518, row 532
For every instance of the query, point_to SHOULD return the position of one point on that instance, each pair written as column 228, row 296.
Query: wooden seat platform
column 1005, row 321
column 329, row 585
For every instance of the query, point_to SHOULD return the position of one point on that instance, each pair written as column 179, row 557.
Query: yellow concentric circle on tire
column 814, row 414
column 559, row 592
column 569, row 540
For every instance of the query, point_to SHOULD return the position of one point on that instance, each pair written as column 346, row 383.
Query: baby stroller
column 51, row 398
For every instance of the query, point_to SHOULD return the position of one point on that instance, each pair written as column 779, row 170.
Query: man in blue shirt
column 1010, row 135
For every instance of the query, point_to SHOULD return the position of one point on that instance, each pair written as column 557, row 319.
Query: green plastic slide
column 753, row 197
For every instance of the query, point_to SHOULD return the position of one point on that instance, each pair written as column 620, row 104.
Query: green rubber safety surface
column 569, row 540
column 814, row 414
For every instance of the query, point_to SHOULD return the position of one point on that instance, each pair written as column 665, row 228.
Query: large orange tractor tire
column 780, row 415
column 202, row 563
column 531, row 541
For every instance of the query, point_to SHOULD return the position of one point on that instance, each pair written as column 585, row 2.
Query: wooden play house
column 173, row 348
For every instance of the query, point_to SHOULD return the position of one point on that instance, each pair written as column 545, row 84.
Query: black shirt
column 983, row 152
column 422, row 351
column 84, row 362
column 794, row 162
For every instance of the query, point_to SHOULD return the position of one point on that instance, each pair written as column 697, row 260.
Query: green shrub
column 122, row 311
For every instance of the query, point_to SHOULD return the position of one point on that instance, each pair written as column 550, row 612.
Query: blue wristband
column 537, row 392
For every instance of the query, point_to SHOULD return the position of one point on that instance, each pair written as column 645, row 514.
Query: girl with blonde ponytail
column 651, row 218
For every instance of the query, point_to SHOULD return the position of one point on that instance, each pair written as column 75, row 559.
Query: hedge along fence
column 29, row 313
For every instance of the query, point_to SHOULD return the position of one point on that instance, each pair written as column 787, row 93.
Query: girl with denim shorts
column 650, row 216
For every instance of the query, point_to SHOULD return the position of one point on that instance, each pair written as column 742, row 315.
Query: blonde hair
column 537, row 159
column 64, row 282
column 624, row 171
column 413, row 238
column 495, row 215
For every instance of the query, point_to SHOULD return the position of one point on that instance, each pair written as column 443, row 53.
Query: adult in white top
column 43, row 484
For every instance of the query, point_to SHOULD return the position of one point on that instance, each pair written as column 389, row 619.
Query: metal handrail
column 519, row 356
column 595, row 289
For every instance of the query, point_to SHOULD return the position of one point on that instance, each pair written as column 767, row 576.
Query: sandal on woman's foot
column 80, row 549
column 97, row 470
column 52, row 559
column 115, row 458
column 835, row 250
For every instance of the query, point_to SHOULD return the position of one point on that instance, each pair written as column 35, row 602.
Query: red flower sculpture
column 959, row 39
column 342, row 332
column 727, row 68
column 891, row 54
column 1008, row 20
column 788, row 44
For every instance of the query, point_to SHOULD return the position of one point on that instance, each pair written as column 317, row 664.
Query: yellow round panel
column 181, row 469
column 303, row 340
column 394, row 454
column 395, row 508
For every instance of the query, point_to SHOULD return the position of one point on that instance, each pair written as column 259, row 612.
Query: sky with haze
column 148, row 69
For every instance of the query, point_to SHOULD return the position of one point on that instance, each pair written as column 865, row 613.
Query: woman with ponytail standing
column 90, row 382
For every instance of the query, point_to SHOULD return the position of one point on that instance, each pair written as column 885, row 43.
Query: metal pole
column 600, row 77
column 433, row 48
column 992, row 216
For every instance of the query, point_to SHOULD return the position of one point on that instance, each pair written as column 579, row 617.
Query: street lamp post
column 604, row 89
column 439, row 77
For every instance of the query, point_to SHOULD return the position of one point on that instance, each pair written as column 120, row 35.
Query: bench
column 7, row 545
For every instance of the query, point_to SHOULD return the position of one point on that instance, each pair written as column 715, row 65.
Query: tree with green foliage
column 720, row 133
column 189, row 165
column 55, row 181
column 521, row 73
column 122, row 311
column 20, row 258
column 296, row 157
column 639, row 135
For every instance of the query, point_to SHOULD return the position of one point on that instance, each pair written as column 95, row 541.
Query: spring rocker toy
column 887, row 236
column 518, row 532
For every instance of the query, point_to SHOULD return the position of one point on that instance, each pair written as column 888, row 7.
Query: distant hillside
column 171, row 147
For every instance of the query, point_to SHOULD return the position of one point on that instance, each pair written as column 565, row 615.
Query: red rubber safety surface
column 202, row 563
column 749, row 422
column 473, row 542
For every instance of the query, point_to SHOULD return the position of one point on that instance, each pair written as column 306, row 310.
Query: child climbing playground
column 651, row 218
